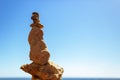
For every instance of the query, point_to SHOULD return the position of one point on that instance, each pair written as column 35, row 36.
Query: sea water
column 64, row 79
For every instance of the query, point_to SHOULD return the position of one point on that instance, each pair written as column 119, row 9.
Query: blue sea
column 64, row 79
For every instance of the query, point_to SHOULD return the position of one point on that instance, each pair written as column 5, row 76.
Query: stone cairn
column 40, row 68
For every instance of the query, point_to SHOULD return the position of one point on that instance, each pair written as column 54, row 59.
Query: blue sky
column 83, row 36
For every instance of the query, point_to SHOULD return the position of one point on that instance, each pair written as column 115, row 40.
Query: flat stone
column 49, row 71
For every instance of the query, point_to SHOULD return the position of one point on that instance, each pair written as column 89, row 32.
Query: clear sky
column 83, row 36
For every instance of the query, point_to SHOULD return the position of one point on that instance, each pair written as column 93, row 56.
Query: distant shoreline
column 64, row 78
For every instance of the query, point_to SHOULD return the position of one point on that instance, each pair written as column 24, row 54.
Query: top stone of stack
column 36, row 21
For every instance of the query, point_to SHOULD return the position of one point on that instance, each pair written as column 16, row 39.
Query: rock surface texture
column 40, row 68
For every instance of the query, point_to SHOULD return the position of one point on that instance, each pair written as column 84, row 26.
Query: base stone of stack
column 49, row 71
